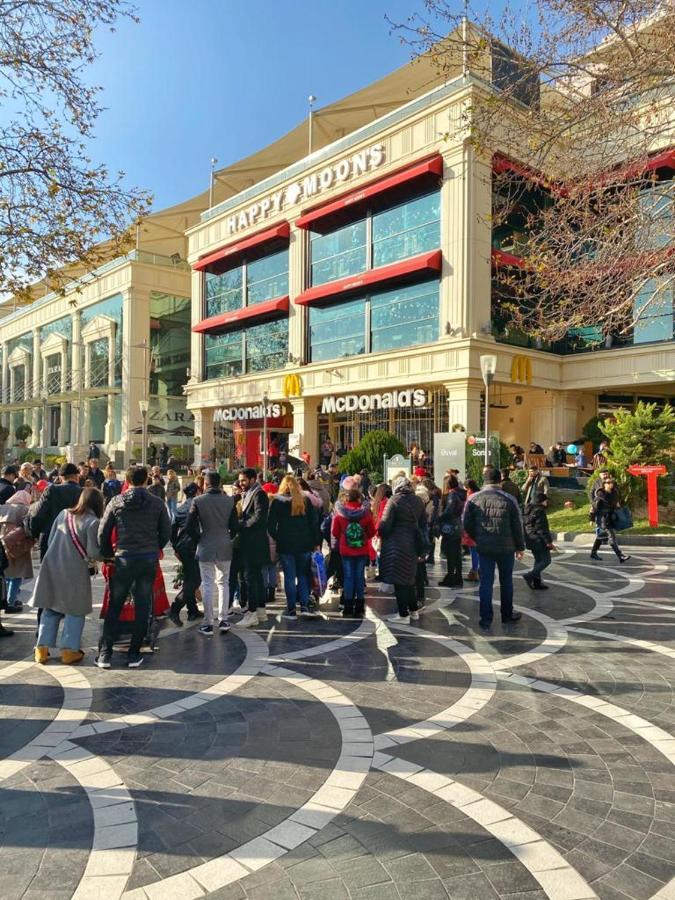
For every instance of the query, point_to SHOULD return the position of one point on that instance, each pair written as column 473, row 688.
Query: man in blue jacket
column 492, row 519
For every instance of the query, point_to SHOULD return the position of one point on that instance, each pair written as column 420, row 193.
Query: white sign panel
column 310, row 187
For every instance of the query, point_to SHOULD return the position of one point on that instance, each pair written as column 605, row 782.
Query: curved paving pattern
column 336, row 759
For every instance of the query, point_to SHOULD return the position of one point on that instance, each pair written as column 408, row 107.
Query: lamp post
column 144, row 405
column 265, row 401
column 488, row 367
column 310, row 123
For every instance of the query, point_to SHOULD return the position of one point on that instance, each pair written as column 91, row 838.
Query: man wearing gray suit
column 209, row 523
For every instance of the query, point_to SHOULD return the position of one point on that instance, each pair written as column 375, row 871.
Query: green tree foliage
column 23, row 432
column 645, row 436
column 593, row 432
column 370, row 452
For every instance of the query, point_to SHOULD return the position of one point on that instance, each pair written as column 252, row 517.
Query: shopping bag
column 319, row 575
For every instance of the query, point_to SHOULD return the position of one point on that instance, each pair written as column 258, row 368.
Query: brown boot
column 71, row 657
column 41, row 655
column 472, row 576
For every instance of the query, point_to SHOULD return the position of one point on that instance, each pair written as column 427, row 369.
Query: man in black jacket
column 185, row 549
column 143, row 529
column 492, row 520
column 54, row 499
column 7, row 488
column 538, row 539
column 250, row 528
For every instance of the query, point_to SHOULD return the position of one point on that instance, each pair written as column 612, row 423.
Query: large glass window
column 224, row 292
column 381, row 237
column 267, row 278
column 654, row 312
column 267, row 346
column 385, row 320
column 99, row 352
column 111, row 308
column 407, row 229
column 254, row 281
column 169, row 343
column 223, row 354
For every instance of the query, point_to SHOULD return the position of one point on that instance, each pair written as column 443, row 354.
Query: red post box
column 651, row 473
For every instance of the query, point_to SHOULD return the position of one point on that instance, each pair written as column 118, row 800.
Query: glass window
column 98, row 363
column 111, row 308
column 223, row 354
column 54, row 364
column 337, row 331
column 404, row 317
column 338, row 254
column 267, row 346
column 169, row 343
column 224, row 292
column 653, row 309
column 267, row 278
column 407, row 229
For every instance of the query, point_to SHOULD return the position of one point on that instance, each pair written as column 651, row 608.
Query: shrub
column 23, row 432
column 370, row 453
column 592, row 431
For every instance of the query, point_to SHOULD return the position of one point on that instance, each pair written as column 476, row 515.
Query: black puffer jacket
column 142, row 523
column 535, row 523
column 55, row 498
column 401, row 528
column 492, row 519
column 293, row 534
column 605, row 504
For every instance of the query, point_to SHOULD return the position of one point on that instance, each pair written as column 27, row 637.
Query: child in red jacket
column 353, row 528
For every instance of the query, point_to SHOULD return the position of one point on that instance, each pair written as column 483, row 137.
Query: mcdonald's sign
column 521, row 369
column 292, row 386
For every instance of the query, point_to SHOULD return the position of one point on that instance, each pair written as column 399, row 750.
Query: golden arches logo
column 521, row 369
column 292, row 386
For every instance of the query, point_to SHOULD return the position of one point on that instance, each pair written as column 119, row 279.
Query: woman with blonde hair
column 293, row 524
column 172, row 491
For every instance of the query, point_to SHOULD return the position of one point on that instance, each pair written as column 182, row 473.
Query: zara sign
column 312, row 186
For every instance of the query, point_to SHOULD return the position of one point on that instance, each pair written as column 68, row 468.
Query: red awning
column 433, row 165
column 502, row 259
column 417, row 265
column 277, row 232
column 247, row 315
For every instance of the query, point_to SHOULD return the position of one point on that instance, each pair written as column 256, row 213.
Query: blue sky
column 202, row 78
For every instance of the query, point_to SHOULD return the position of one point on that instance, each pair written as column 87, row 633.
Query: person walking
column 185, row 548
column 96, row 473
column 72, row 547
column 492, row 520
column 142, row 528
column 172, row 489
column 55, row 498
column 471, row 487
column 94, row 451
column 538, row 539
column 293, row 524
column 112, row 486
column 535, row 483
column 450, row 529
column 354, row 528
column 401, row 529
column 18, row 545
column 208, row 524
column 250, row 526
column 9, row 476
column 606, row 501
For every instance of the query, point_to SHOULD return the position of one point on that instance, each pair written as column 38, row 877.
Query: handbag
column 623, row 518
column 16, row 542
column 77, row 542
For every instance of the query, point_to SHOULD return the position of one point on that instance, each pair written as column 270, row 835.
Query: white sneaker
column 415, row 616
column 398, row 620
column 250, row 620
column 236, row 606
column 261, row 612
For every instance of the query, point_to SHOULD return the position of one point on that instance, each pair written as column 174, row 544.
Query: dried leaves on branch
column 581, row 94
column 55, row 204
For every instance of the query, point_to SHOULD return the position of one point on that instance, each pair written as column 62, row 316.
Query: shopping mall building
column 353, row 288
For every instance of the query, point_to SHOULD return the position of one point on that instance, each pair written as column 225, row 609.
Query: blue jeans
column 71, row 634
column 475, row 564
column 504, row 563
column 296, row 569
column 172, row 506
column 353, row 578
column 13, row 588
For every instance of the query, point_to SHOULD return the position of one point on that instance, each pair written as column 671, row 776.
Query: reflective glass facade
column 379, row 238
column 252, row 348
column 384, row 320
column 111, row 308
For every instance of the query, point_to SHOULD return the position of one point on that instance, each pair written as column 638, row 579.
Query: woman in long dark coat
column 401, row 529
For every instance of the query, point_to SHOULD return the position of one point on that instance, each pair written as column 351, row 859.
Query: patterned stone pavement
column 325, row 758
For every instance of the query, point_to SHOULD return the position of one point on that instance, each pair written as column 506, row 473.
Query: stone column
column 464, row 398
column 136, row 357
column 77, row 407
column 306, row 425
column 5, row 395
column 298, row 315
column 110, row 415
column 34, row 393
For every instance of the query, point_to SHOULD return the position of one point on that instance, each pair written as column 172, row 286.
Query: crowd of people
column 325, row 532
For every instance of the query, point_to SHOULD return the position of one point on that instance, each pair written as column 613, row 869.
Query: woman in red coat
column 353, row 528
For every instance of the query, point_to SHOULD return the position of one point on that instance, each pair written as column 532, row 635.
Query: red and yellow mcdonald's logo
column 292, row 386
column 521, row 369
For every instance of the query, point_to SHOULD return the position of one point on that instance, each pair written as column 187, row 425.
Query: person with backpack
column 538, row 539
column 293, row 525
column 450, row 530
column 72, row 548
column 112, row 486
column 18, row 545
column 185, row 548
column 353, row 528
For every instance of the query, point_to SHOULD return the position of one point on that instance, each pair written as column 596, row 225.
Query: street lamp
column 144, row 405
column 488, row 367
